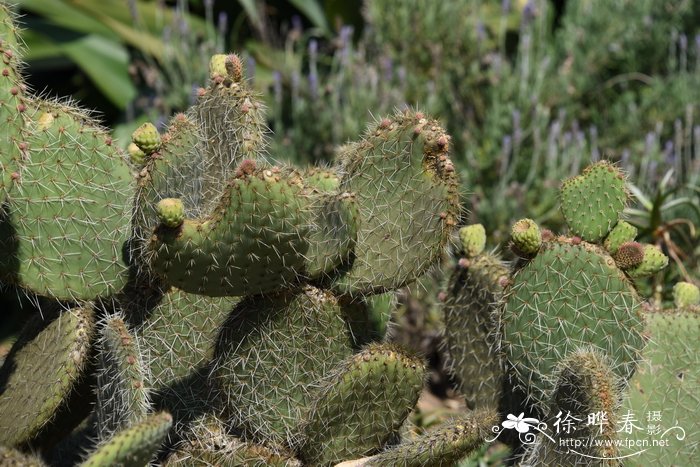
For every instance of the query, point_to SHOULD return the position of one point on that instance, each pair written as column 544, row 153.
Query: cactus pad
column 254, row 242
column 622, row 232
column 270, row 354
column 443, row 446
column 654, row 261
column 570, row 295
column 593, row 201
column 134, row 446
column 402, row 178
column 40, row 372
column 362, row 404
column 75, row 189
column 471, row 315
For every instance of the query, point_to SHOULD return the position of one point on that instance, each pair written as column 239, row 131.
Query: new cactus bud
column 146, row 137
column 136, row 155
column 473, row 239
column 234, row 67
column 526, row 236
column 686, row 295
column 653, row 262
column 629, row 255
column 171, row 212
column 622, row 232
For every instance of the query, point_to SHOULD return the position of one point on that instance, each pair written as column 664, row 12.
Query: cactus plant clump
column 208, row 309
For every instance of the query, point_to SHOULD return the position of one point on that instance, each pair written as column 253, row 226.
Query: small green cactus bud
column 653, row 262
column 629, row 255
column 146, row 137
column 621, row 233
column 171, row 212
column 473, row 239
column 526, row 236
column 686, row 295
column 136, row 155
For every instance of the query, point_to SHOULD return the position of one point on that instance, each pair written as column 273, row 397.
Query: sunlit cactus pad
column 69, row 213
column 401, row 177
column 40, row 372
column 593, row 201
column 570, row 295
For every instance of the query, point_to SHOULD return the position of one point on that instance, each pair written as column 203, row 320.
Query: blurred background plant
column 530, row 90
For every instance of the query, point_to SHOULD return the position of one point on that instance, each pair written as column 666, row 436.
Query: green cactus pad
column 232, row 121
column 406, row 191
column 570, row 295
column 593, row 201
column 471, row 315
column 526, row 237
column 13, row 103
column 333, row 234
column 146, row 137
column 40, row 372
column 472, row 239
column 171, row 212
column 622, row 232
column 361, row 405
column 443, row 446
column 629, row 255
column 10, row 457
column 75, row 190
column 323, row 180
column 254, row 242
column 179, row 333
column 585, row 386
column 368, row 317
column 122, row 398
column 666, row 384
column 134, row 446
column 209, row 443
column 654, row 261
column 270, row 355
column 686, row 295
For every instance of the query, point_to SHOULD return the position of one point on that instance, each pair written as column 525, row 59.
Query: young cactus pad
column 406, row 191
column 593, row 201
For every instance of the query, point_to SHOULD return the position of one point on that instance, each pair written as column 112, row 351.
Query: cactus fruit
column 136, row 155
column 654, row 261
column 686, row 295
column 41, row 372
column 472, row 239
column 146, row 138
column 361, row 405
column 629, row 255
column 623, row 232
column 443, row 446
column 593, row 201
column 134, row 446
column 171, row 212
column 526, row 237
